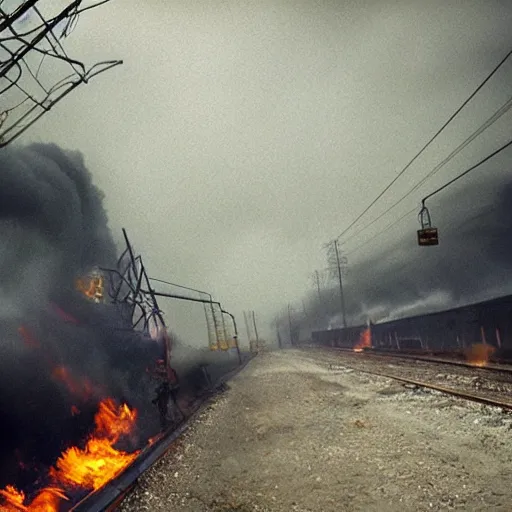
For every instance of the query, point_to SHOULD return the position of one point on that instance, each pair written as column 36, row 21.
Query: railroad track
column 110, row 496
column 492, row 367
column 494, row 387
column 442, row 389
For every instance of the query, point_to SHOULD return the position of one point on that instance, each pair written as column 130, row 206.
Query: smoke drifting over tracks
column 65, row 358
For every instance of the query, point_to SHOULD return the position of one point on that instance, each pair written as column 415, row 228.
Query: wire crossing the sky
column 458, row 177
column 467, row 171
column 402, row 172
column 500, row 112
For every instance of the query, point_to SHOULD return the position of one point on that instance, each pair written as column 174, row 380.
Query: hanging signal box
column 428, row 236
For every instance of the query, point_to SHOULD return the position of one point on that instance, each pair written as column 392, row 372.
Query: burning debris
column 67, row 356
column 479, row 354
column 83, row 345
column 365, row 340
column 86, row 468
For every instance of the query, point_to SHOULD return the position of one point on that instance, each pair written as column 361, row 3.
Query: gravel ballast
column 290, row 434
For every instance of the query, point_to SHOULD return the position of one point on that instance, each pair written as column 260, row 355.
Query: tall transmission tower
column 35, row 70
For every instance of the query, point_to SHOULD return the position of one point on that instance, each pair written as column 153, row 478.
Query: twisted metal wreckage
column 31, row 35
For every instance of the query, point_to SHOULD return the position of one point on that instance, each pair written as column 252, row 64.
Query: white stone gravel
column 292, row 435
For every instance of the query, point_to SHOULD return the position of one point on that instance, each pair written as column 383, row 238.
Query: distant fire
column 89, row 468
column 91, row 286
column 479, row 354
column 365, row 340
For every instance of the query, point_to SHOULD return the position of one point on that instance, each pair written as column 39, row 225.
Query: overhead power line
column 461, row 175
column 387, row 228
column 402, row 172
column 500, row 112
column 467, row 171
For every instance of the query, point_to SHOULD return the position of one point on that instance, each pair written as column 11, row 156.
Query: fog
column 237, row 138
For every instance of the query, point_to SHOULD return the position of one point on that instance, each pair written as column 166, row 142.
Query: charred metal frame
column 204, row 301
column 200, row 292
column 16, row 45
column 125, row 286
column 130, row 286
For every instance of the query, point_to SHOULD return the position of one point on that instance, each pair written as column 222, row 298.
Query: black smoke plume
column 53, row 230
column 473, row 262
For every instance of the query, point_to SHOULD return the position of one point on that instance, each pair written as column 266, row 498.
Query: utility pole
column 317, row 279
column 342, row 297
column 304, row 308
column 279, row 342
column 290, row 323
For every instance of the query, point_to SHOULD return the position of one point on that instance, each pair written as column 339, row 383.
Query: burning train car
column 484, row 327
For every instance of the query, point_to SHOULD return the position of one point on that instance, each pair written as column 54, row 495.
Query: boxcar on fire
column 455, row 329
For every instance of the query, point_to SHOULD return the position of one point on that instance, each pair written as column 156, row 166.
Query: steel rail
column 109, row 497
column 442, row 389
column 429, row 359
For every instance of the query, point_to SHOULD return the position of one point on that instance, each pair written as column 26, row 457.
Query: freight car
column 450, row 331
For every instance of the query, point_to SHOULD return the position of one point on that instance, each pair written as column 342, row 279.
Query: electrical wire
column 387, row 228
column 502, row 110
column 402, row 172
column 467, row 171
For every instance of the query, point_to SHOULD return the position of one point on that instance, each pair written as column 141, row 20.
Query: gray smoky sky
column 238, row 137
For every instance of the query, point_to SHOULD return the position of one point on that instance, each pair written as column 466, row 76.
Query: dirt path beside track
column 292, row 435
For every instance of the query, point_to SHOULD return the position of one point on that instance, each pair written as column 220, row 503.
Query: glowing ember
column 88, row 468
column 365, row 341
column 479, row 354
column 91, row 286
column 66, row 317
column 154, row 439
column 28, row 338
column 78, row 387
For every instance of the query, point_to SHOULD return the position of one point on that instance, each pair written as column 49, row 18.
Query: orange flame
column 113, row 422
column 479, row 354
column 89, row 468
column 365, row 340
column 79, row 387
column 99, row 461
column 66, row 317
column 47, row 500
column 91, row 286
column 13, row 498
